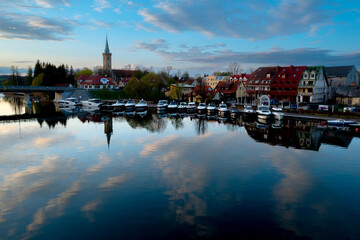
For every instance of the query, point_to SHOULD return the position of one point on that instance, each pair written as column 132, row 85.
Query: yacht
column 173, row 107
column 119, row 106
column 211, row 108
column 263, row 112
column 182, row 107
column 92, row 102
column 191, row 107
column 277, row 113
column 248, row 110
column 141, row 106
column 162, row 105
column 70, row 101
column 201, row 108
column 222, row 110
column 130, row 105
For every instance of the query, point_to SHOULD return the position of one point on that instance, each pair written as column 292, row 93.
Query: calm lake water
column 82, row 175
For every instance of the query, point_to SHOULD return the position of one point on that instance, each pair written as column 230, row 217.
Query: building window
column 283, row 76
column 294, row 75
column 306, row 76
column 268, row 75
column 312, row 76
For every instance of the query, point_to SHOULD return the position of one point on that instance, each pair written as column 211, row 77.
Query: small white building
column 313, row 86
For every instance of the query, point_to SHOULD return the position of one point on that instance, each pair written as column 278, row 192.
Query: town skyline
column 200, row 37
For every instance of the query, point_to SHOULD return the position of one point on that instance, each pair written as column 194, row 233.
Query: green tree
column 38, row 80
column 176, row 92
column 84, row 71
column 29, row 77
column 38, row 68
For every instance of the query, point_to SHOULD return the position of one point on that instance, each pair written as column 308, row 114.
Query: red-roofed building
column 241, row 77
column 259, row 82
column 199, row 93
column 230, row 89
column 285, row 84
column 95, row 82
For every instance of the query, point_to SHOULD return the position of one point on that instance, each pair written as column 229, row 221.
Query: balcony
column 305, row 93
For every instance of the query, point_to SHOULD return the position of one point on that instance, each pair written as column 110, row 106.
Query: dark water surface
column 96, row 176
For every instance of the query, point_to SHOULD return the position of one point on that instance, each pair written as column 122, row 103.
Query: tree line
column 44, row 74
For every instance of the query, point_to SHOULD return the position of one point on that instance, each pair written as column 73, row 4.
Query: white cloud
column 246, row 19
column 100, row 5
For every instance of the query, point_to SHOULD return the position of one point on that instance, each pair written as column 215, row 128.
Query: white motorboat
column 248, row 110
column 201, row 108
column 70, row 101
column 277, row 113
column 173, row 106
column 130, row 105
column 162, row 105
column 263, row 112
column 191, row 107
column 211, row 108
column 141, row 106
column 182, row 107
column 92, row 102
column 222, row 110
column 119, row 106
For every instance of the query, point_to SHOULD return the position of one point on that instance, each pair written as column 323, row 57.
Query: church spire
column 107, row 50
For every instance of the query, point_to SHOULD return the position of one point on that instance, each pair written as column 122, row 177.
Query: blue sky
column 200, row 36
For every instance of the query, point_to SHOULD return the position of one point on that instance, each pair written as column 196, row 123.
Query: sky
column 199, row 36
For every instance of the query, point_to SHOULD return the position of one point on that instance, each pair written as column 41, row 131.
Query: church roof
column 107, row 50
column 339, row 71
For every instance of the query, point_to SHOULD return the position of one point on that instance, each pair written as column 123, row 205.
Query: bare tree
column 167, row 70
column 234, row 68
column 251, row 70
column 127, row 67
column 99, row 70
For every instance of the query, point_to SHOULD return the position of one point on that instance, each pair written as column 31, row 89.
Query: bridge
column 27, row 90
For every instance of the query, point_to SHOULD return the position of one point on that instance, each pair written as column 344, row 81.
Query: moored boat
column 223, row 110
column 263, row 112
column 211, row 108
column 141, row 106
column 201, row 108
column 92, row 102
column 173, row 107
column 162, row 105
column 130, row 105
column 70, row 101
column 182, row 107
column 119, row 106
column 277, row 113
column 191, row 107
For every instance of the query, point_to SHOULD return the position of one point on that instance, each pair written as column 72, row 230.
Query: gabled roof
column 230, row 87
column 339, row 71
column 261, row 73
column 348, row 91
column 293, row 73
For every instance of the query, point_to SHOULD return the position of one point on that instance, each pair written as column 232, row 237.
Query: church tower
column 107, row 59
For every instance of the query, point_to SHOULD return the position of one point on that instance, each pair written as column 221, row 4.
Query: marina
column 175, row 175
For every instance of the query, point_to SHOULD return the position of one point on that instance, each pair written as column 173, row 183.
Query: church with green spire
column 107, row 59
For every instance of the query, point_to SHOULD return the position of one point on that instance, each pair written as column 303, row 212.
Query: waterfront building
column 122, row 77
column 313, row 86
column 95, row 82
column 229, row 89
column 179, row 91
column 341, row 75
column 285, row 83
column 348, row 95
column 259, row 82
